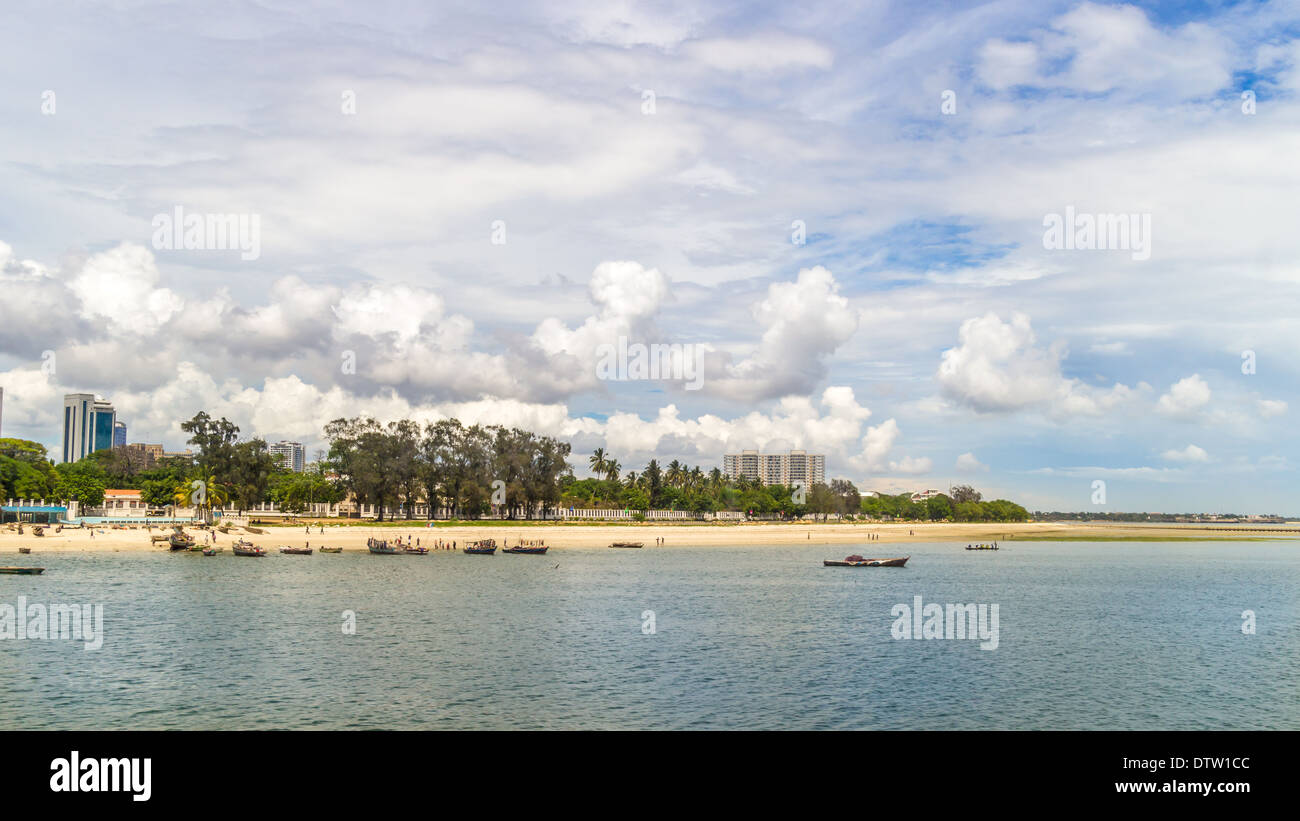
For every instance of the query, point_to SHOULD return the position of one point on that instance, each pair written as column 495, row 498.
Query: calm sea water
column 1092, row 636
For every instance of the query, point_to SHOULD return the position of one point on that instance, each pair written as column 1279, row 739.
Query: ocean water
column 1090, row 636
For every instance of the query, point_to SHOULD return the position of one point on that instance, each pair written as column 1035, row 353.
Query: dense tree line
column 943, row 508
column 467, row 470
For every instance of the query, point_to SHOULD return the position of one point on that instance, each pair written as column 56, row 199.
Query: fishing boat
column 331, row 550
column 211, row 551
column 981, row 547
column 24, row 550
column 857, row 561
column 415, row 551
column 23, row 571
column 381, row 547
column 626, row 544
column 295, row 551
column 243, row 548
column 531, row 550
column 180, row 540
column 482, row 547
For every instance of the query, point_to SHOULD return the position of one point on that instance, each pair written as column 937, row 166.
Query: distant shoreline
column 890, row 538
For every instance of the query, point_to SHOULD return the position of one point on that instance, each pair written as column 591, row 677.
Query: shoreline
column 566, row 535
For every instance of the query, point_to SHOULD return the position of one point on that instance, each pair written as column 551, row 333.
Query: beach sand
column 560, row 536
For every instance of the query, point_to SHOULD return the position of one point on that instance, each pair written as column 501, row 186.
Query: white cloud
column 760, row 54
column 1268, row 408
column 968, row 462
column 1185, row 397
column 120, row 285
column 1191, row 453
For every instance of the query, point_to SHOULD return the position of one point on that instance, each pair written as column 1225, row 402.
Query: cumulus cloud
column 1191, row 453
column 121, row 286
column 1185, row 397
column 967, row 462
column 803, row 322
column 999, row 367
column 1268, row 408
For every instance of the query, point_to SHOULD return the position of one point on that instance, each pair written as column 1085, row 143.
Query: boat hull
column 480, row 551
column 22, row 571
column 626, row 544
column 530, row 551
column 868, row 563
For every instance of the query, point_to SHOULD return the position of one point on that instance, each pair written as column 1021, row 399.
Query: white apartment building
column 797, row 466
column 292, row 454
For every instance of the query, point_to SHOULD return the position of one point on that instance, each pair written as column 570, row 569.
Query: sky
column 845, row 210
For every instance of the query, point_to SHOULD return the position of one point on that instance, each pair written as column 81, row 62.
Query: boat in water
column 981, row 547
column 211, row 551
column 482, row 547
column 295, row 551
column 857, row 561
column 243, row 548
column 23, row 571
column 180, row 540
column 331, row 550
column 415, row 551
column 381, row 546
column 531, row 550
column 24, row 550
column 627, row 544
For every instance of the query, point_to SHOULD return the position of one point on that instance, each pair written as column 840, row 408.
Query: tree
column 965, row 493
column 202, row 494
column 215, row 439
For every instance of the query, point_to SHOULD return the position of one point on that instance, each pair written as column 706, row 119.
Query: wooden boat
column 243, row 548
column 626, row 544
column 381, row 547
column 982, row 547
column 24, row 550
column 295, row 551
column 331, row 550
column 482, row 547
column 857, row 561
column 23, row 571
column 211, row 551
column 180, row 540
column 415, row 551
column 529, row 550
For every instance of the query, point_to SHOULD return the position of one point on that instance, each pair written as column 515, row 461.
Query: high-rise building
column 791, row 468
column 292, row 454
column 87, row 425
column 119, row 434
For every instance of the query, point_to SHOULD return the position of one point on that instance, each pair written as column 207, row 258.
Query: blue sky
column 922, row 335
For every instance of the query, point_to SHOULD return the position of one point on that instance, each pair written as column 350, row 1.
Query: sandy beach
column 560, row 536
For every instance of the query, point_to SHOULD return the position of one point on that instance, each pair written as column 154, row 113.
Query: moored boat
column 24, row 550
column 482, row 547
column 381, row 547
column 627, row 544
column 295, row 551
column 243, row 548
column 981, row 547
column 180, row 540
column 23, row 571
column 415, row 551
column 530, row 550
column 211, row 551
column 858, row 561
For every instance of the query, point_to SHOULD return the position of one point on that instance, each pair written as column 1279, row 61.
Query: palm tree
column 612, row 467
column 598, row 462
column 208, row 495
column 675, row 473
column 631, row 479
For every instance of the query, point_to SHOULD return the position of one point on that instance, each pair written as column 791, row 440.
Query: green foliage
column 942, row 508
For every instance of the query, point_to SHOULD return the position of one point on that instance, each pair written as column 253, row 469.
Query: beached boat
column 295, row 551
column 857, row 561
column 415, row 551
column 24, row 550
column 530, row 550
column 627, row 544
column 180, row 540
column 482, row 547
column 331, row 550
column 211, row 551
column 981, row 547
column 243, row 548
column 381, row 547
column 23, row 571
